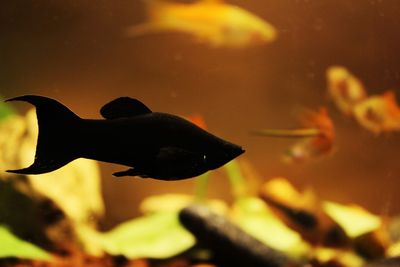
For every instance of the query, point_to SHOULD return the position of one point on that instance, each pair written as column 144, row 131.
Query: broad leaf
column 254, row 217
column 158, row 235
column 353, row 219
column 12, row 246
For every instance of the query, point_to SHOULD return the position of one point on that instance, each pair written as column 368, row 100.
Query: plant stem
column 237, row 181
column 200, row 189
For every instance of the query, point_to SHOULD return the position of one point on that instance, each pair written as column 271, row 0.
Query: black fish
column 155, row 145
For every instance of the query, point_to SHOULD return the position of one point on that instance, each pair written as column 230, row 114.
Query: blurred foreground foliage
column 47, row 209
column 158, row 235
column 5, row 111
column 12, row 246
column 55, row 215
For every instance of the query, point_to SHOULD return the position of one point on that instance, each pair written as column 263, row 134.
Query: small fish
column 210, row 21
column 155, row 145
column 317, row 137
column 375, row 113
column 379, row 113
column 319, row 145
column 345, row 89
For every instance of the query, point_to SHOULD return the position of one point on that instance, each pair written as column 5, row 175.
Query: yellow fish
column 345, row 89
column 379, row 113
column 209, row 21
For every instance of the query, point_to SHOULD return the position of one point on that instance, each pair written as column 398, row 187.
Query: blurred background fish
column 344, row 88
column 376, row 113
column 379, row 113
column 210, row 21
column 317, row 136
column 319, row 145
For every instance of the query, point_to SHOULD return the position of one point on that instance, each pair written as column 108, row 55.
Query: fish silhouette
column 155, row 145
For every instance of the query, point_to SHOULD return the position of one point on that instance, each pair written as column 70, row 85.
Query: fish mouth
column 234, row 151
column 240, row 152
column 229, row 154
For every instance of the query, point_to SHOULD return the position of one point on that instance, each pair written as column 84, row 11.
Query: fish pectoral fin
column 123, row 107
column 129, row 172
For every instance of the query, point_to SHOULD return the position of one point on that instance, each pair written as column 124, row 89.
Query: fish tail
column 156, row 10
column 142, row 29
column 57, row 126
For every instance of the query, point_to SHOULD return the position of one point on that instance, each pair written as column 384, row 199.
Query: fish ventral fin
column 123, row 107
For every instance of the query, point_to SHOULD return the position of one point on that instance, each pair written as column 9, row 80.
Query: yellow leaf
column 175, row 202
column 254, row 217
column 353, row 219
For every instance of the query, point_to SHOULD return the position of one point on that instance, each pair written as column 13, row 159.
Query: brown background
column 74, row 50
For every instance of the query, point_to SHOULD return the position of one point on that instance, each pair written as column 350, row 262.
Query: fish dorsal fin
column 123, row 107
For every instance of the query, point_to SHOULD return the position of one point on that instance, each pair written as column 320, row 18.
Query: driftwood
column 389, row 262
column 231, row 245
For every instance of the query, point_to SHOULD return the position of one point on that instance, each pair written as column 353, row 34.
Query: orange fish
column 319, row 145
column 345, row 89
column 379, row 113
column 317, row 137
column 198, row 120
column 209, row 21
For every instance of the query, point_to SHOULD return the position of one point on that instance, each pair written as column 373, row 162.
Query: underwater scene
column 200, row 133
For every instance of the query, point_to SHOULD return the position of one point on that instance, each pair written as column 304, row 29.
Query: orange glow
column 198, row 120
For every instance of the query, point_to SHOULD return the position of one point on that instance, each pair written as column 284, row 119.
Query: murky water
column 75, row 51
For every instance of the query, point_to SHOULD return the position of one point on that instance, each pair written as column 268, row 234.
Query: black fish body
column 156, row 145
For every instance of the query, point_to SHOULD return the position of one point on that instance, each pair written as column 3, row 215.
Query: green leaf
column 5, row 109
column 12, row 246
column 158, row 236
